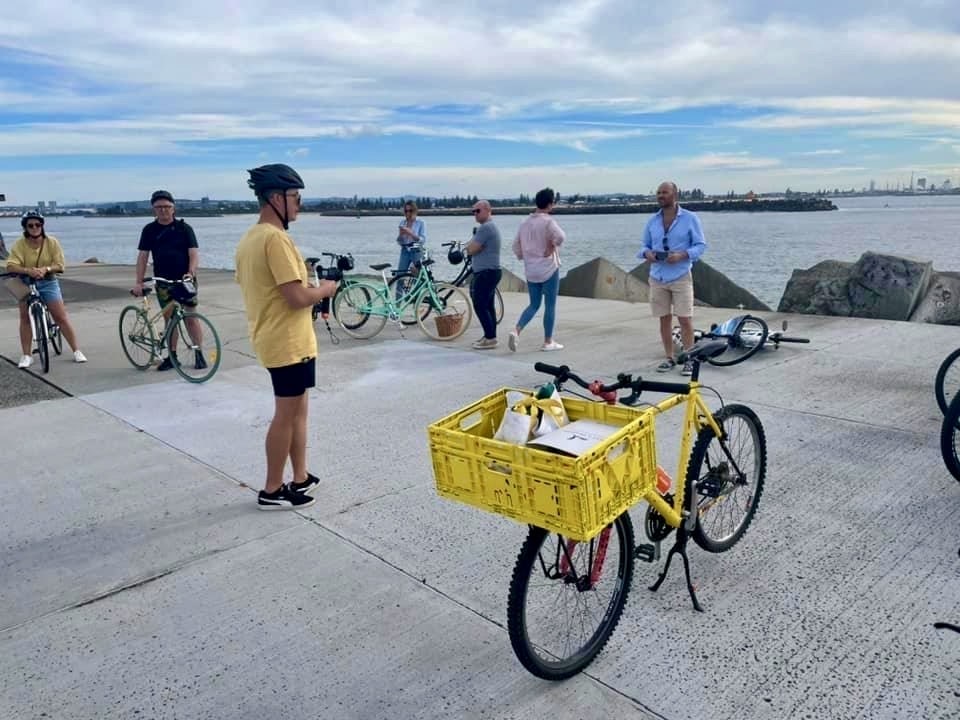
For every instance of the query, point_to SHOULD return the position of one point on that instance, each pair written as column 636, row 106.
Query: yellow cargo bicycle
column 573, row 573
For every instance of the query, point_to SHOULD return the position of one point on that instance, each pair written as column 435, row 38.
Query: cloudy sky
column 104, row 100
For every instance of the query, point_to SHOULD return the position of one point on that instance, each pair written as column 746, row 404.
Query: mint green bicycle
column 442, row 310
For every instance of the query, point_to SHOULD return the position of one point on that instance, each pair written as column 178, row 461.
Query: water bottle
column 545, row 392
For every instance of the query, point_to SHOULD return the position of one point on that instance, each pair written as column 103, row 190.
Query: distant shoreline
column 757, row 205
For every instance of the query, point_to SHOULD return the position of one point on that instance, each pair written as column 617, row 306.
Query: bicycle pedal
column 647, row 552
column 710, row 486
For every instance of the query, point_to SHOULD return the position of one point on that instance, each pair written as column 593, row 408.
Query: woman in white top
column 538, row 238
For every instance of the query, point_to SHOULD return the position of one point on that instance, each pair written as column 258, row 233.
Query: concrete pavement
column 139, row 580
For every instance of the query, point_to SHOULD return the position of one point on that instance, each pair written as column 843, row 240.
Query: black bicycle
column 947, row 383
column 43, row 328
column 403, row 282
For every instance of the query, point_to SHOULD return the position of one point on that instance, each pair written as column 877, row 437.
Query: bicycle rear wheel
column 727, row 473
column 40, row 328
column 950, row 438
column 445, row 303
column 137, row 337
column 947, row 384
column 749, row 338
column 53, row 332
column 354, row 309
column 566, row 597
column 362, row 292
column 401, row 285
column 198, row 355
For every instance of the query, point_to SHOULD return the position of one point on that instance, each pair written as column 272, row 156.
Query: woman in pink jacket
column 538, row 238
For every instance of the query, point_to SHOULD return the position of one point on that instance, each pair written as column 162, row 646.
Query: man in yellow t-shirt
column 39, row 256
column 278, row 300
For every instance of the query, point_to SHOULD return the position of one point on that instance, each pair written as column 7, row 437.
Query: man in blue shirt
column 672, row 242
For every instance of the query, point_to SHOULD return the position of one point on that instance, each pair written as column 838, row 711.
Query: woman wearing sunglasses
column 411, row 236
column 39, row 256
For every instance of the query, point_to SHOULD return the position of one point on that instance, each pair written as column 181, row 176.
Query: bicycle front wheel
column 53, row 332
column 947, row 383
column 566, row 597
column 137, row 337
column 38, row 313
column 727, row 473
column 198, row 351
column 750, row 337
column 950, row 437
column 498, row 305
column 400, row 286
column 444, row 313
column 355, row 308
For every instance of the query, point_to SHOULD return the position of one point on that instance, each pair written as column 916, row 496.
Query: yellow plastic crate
column 575, row 496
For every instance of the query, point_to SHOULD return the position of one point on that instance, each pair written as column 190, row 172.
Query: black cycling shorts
column 294, row 380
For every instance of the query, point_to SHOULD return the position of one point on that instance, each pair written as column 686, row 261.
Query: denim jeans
column 482, row 292
column 545, row 291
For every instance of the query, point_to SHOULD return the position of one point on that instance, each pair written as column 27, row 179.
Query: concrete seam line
column 39, row 377
column 145, row 580
column 827, row 416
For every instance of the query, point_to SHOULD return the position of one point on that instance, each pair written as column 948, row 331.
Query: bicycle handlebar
column 625, row 381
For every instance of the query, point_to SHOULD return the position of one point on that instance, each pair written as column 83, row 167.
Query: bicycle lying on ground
column 43, row 329
column 745, row 336
column 403, row 283
column 567, row 593
column 443, row 311
column 142, row 342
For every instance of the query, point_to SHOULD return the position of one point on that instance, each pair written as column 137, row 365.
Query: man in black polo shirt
column 173, row 246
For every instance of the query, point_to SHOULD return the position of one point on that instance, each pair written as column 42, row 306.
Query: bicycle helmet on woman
column 31, row 215
column 274, row 178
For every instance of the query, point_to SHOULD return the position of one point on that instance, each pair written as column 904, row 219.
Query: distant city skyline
column 103, row 102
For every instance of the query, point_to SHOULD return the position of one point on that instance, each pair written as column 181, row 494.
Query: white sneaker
column 513, row 340
column 79, row 356
column 25, row 362
column 551, row 346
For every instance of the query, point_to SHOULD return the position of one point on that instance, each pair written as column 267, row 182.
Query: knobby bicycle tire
column 555, row 572
column 209, row 348
column 946, row 394
column 740, row 348
column 713, row 474
column 40, row 328
column 950, row 437
column 137, row 337
column 53, row 332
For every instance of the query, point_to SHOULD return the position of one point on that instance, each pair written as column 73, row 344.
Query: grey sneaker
column 687, row 368
column 666, row 366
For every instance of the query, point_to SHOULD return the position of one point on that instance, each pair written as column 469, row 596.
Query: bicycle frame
column 696, row 417
column 383, row 305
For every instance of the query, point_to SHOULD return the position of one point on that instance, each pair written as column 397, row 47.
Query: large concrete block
column 818, row 290
column 711, row 288
column 511, row 283
column 887, row 287
column 603, row 280
column 941, row 304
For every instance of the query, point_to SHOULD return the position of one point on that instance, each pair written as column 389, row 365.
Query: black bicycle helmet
column 161, row 195
column 30, row 215
column 275, row 177
column 455, row 256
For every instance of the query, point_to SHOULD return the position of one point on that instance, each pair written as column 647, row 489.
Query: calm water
column 756, row 250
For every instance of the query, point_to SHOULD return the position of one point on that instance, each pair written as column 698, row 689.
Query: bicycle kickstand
column 679, row 547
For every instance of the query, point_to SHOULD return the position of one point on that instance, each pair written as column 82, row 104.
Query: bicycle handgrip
column 665, row 387
column 550, row 369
